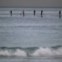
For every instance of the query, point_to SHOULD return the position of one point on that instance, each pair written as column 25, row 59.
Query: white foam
column 4, row 53
column 18, row 52
column 43, row 52
column 58, row 51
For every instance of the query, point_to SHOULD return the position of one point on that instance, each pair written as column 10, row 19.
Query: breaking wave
column 55, row 51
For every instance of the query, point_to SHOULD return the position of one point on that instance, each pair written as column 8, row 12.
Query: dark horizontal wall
column 30, row 3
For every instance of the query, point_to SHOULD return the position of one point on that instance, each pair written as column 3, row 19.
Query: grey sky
column 30, row 3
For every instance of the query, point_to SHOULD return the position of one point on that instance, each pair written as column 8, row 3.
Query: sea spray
column 11, row 52
column 54, row 51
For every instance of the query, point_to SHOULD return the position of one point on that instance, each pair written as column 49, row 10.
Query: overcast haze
column 30, row 3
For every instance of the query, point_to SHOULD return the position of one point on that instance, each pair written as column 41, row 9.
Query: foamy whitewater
column 31, row 52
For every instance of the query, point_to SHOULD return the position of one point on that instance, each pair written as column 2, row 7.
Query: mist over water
column 30, row 37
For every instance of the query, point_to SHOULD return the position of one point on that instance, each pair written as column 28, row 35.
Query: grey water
column 34, row 33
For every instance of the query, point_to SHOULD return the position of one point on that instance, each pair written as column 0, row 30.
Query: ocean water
column 30, row 38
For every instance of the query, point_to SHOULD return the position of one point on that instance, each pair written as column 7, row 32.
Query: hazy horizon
column 31, row 3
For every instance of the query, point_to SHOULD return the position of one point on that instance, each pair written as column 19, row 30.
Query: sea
column 29, row 37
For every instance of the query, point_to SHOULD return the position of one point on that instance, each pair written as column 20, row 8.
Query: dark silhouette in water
column 59, row 13
column 34, row 12
column 23, row 13
column 11, row 12
column 41, row 13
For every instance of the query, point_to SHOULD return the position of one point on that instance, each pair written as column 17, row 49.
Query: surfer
column 23, row 13
column 11, row 12
column 41, row 13
column 59, row 13
column 34, row 12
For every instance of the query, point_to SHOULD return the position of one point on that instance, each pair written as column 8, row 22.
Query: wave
column 55, row 51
